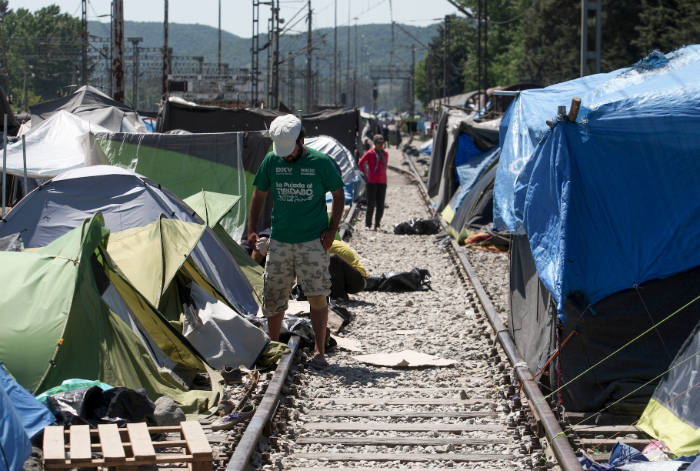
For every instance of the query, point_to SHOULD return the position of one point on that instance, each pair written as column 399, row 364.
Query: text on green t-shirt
column 299, row 194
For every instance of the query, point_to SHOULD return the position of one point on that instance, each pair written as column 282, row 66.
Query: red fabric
column 369, row 160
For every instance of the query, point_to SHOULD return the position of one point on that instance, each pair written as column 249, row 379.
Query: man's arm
column 336, row 213
column 256, row 205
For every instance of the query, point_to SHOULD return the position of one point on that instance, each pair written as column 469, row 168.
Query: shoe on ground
column 378, row 229
column 367, row 228
column 229, row 421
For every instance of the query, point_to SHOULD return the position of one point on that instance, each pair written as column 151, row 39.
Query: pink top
column 373, row 168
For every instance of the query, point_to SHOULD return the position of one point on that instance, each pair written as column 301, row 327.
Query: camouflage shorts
column 306, row 263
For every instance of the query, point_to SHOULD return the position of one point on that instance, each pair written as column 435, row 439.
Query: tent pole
column 24, row 158
column 4, row 166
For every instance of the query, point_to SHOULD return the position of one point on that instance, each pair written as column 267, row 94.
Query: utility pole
column 412, row 82
column 273, row 49
column 165, row 52
column 347, row 74
column 335, row 57
column 309, row 100
column 255, row 54
column 84, row 34
column 135, row 69
column 118, row 50
column 375, row 94
column 219, row 68
column 108, row 70
column 354, row 84
column 586, row 6
column 486, row 46
column 290, row 61
column 446, row 57
column 354, row 78
column 25, row 99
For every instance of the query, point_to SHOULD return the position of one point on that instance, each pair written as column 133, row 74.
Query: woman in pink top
column 373, row 166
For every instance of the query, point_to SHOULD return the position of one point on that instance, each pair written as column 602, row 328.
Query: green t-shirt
column 299, row 193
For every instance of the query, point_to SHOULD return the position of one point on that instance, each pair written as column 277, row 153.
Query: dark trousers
column 345, row 279
column 376, row 194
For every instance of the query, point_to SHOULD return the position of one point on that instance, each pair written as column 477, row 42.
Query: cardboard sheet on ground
column 406, row 358
column 347, row 344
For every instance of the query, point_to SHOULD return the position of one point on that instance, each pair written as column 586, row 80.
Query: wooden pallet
column 126, row 449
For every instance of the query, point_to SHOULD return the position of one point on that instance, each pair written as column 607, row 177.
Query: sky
column 236, row 15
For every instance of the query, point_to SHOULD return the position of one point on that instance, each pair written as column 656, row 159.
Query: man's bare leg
column 274, row 325
column 319, row 321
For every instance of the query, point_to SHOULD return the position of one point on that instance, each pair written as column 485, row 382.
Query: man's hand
column 327, row 239
column 253, row 239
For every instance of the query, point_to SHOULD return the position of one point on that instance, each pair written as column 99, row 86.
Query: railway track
column 358, row 416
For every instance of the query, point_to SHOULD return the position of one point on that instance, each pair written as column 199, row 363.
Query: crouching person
column 348, row 276
column 301, row 233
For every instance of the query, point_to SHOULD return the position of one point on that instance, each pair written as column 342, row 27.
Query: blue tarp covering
column 469, row 172
column 21, row 417
column 609, row 201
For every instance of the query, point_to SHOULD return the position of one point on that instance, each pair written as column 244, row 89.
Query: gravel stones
column 446, row 322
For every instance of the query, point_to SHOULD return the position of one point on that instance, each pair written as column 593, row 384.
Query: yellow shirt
column 342, row 249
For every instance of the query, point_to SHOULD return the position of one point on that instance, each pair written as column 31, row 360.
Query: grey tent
column 338, row 153
column 476, row 208
column 442, row 179
column 126, row 200
column 344, row 125
column 93, row 106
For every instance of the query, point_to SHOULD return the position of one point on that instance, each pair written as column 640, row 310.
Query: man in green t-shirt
column 301, row 233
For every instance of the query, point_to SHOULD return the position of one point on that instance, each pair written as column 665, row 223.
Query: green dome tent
column 69, row 312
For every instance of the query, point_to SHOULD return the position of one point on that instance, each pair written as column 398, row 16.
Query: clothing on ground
column 307, row 262
column 344, row 250
column 299, row 212
column 345, row 279
column 418, row 226
column 376, row 195
column 373, row 165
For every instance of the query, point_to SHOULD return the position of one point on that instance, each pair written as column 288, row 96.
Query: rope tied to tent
column 654, row 410
column 76, row 262
column 556, row 352
column 618, row 350
column 636, row 288
column 571, row 428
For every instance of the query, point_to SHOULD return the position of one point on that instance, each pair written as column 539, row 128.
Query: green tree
column 52, row 63
column 668, row 24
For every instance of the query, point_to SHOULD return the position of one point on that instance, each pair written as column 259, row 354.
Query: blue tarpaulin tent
column 608, row 201
column 21, row 418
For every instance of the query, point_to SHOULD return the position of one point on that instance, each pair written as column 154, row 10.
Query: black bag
column 417, row 279
column 418, row 226
column 92, row 406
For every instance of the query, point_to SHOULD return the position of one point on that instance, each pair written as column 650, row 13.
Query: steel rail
column 555, row 437
column 252, row 434
column 348, row 220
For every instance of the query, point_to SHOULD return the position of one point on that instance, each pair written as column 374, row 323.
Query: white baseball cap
column 284, row 132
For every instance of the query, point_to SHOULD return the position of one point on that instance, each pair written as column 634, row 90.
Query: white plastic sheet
column 222, row 336
column 55, row 146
